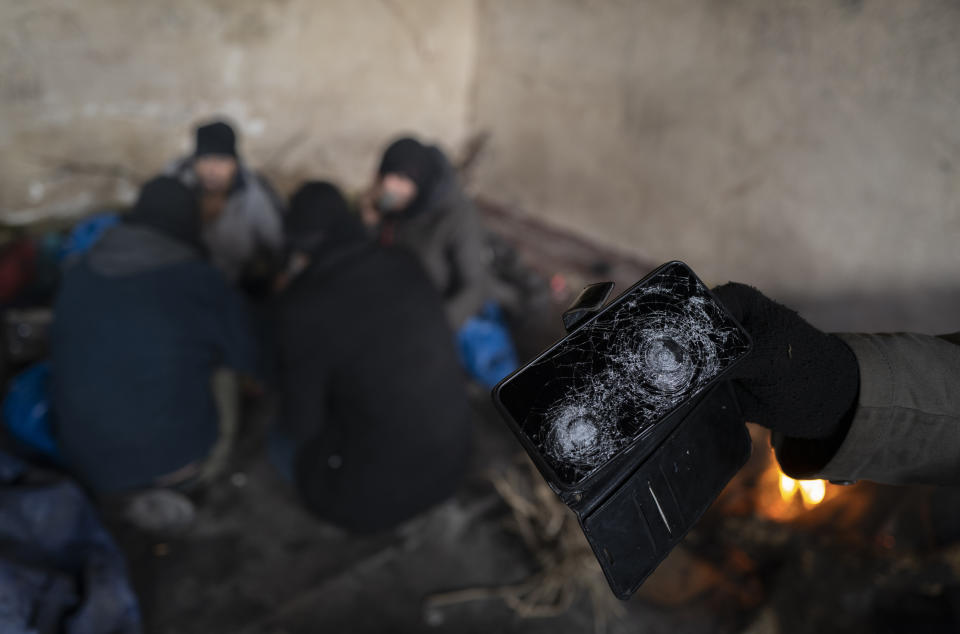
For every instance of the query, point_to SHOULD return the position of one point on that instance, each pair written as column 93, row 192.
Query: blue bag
column 86, row 233
column 485, row 347
column 27, row 411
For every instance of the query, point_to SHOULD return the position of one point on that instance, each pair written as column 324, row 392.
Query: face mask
column 389, row 202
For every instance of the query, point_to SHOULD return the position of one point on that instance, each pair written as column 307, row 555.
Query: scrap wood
column 567, row 567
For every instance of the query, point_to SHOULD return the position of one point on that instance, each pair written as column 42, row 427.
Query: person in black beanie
column 417, row 203
column 242, row 216
column 882, row 407
column 142, row 323
column 374, row 421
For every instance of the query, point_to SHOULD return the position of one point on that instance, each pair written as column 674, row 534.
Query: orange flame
column 811, row 492
column 788, row 486
column 781, row 498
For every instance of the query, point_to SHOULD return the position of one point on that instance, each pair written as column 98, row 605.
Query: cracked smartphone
column 628, row 420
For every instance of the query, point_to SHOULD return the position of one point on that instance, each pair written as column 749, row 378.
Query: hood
column 128, row 249
column 319, row 220
column 425, row 165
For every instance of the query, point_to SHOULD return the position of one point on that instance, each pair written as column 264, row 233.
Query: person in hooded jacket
column 418, row 203
column 141, row 324
column 374, row 420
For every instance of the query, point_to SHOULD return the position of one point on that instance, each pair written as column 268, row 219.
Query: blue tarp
column 60, row 571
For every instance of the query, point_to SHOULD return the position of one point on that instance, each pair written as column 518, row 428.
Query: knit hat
column 216, row 138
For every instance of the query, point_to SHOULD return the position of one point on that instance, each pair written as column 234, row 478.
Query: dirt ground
column 256, row 562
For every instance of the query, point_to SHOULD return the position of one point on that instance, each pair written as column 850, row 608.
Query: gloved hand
column 798, row 380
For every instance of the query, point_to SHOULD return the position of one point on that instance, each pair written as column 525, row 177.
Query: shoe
column 160, row 511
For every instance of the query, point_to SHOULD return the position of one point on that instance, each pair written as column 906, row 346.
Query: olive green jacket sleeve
column 906, row 428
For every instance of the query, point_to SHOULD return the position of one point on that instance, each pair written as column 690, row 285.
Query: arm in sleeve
column 268, row 217
column 468, row 256
column 906, row 426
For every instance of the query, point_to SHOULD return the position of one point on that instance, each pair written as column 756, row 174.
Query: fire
column 783, row 498
column 788, row 486
column 771, row 493
column 812, row 492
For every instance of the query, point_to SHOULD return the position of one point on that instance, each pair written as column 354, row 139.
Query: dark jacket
column 445, row 233
column 140, row 324
column 906, row 428
column 371, row 389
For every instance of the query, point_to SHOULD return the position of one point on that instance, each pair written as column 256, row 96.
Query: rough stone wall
column 97, row 95
column 810, row 146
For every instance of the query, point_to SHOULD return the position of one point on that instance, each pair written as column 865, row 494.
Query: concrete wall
column 99, row 94
column 799, row 145
column 810, row 146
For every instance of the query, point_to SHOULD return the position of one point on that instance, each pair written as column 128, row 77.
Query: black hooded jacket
column 441, row 227
column 371, row 389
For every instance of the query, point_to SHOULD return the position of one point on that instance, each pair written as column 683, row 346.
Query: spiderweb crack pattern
column 627, row 369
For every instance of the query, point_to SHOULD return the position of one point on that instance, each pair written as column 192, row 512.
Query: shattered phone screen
column 600, row 388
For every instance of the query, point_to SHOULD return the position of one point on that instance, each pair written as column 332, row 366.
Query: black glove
column 798, row 380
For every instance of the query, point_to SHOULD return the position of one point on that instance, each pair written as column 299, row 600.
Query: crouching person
column 373, row 424
column 143, row 328
column 417, row 202
column 242, row 221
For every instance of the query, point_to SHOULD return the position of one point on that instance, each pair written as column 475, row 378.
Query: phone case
column 639, row 504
